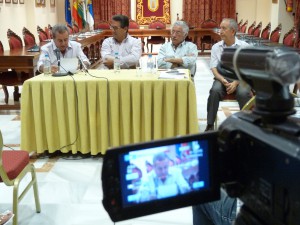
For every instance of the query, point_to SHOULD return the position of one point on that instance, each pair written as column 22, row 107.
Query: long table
column 90, row 114
column 23, row 61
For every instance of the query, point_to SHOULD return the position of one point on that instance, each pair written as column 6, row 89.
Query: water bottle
column 47, row 65
column 150, row 64
column 117, row 67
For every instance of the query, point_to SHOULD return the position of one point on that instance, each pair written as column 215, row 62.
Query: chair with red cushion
column 14, row 40
column 133, row 25
column 28, row 37
column 266, row 32
column 14, row 166
column 240, row 25
column 244, row 27
column 256, row 31
column 42, row 34
column 1, row 47
column 48, row 30
column 13, row 79
column 251, row 28
column 156, row 40
column 276, row 33
column 207, row 39
column 289, row 37
column 103, row 25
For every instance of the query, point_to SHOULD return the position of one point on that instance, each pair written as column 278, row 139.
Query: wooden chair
column 1, row 47
column 244, row 27
column 13, row 79
column 14, row 40
column 48, row 30
column 289, row 37
column 207, row 39
column 103, row 25
column 276, row 33
column 28, row 37
column 42, row 34
column 257, row 30
column 14, row 166
column 266, row 32
column 240, row 25
column 251, row 28
column 133, row 25
column 231, row 98
column 156, row 40
column 295, row 89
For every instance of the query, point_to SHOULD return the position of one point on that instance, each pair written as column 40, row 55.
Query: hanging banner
column 148, row 11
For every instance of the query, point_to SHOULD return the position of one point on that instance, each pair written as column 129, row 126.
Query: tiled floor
column 70, row 188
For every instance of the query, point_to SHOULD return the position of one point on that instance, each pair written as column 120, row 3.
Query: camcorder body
column 254, row 156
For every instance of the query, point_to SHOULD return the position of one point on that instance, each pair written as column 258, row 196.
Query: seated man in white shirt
column 162, row 181
column 178, row 53
column 221, row 85
column 67, row 49
column 128, row 48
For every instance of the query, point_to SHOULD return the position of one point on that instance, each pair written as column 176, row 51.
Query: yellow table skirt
column 90, row 114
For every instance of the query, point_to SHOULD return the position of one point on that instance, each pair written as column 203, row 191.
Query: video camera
column 254, row 156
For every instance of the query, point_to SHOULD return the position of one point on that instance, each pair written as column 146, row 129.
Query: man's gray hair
column 182, row 24
column 232, row 24
column 160, row 157
column 59, row 29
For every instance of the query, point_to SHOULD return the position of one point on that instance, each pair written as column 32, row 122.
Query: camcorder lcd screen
column 164, row 172
column 156, row 176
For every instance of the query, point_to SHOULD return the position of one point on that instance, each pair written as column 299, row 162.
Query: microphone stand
column 59, row 73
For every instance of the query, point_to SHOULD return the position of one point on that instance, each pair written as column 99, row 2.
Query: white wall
column 265, row 11
column 254, row 10
column 285, row 18
column 17, row 16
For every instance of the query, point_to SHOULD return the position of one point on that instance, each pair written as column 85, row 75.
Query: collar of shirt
column 236, row 43
column 180, row 45
column 54, row 46
column 125, row 40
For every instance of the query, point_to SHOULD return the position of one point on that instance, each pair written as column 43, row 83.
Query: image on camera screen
column 164, row 172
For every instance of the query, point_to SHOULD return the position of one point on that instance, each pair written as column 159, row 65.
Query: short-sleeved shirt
column 129, row 50
column 218, row 48
column 187, row 51
column 73, row 51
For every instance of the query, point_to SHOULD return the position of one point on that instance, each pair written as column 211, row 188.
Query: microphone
column 59, row 73
column 57, row 53
column 85, row 69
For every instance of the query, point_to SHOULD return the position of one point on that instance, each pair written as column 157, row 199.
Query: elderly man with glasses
column 178, row 53
column 128, row 47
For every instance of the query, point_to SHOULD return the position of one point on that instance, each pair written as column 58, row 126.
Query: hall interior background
column 30, row 16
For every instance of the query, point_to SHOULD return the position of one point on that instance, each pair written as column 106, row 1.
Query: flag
column 75, row 16
column 90, row 14
column 68, row 15
column 82, row 12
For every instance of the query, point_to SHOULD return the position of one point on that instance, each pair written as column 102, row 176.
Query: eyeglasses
column 114, row 28
column 176, row 32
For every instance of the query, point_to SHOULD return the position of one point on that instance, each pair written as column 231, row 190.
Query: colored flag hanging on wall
column 68, row 14
column 90, row 14
column 80, row 12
